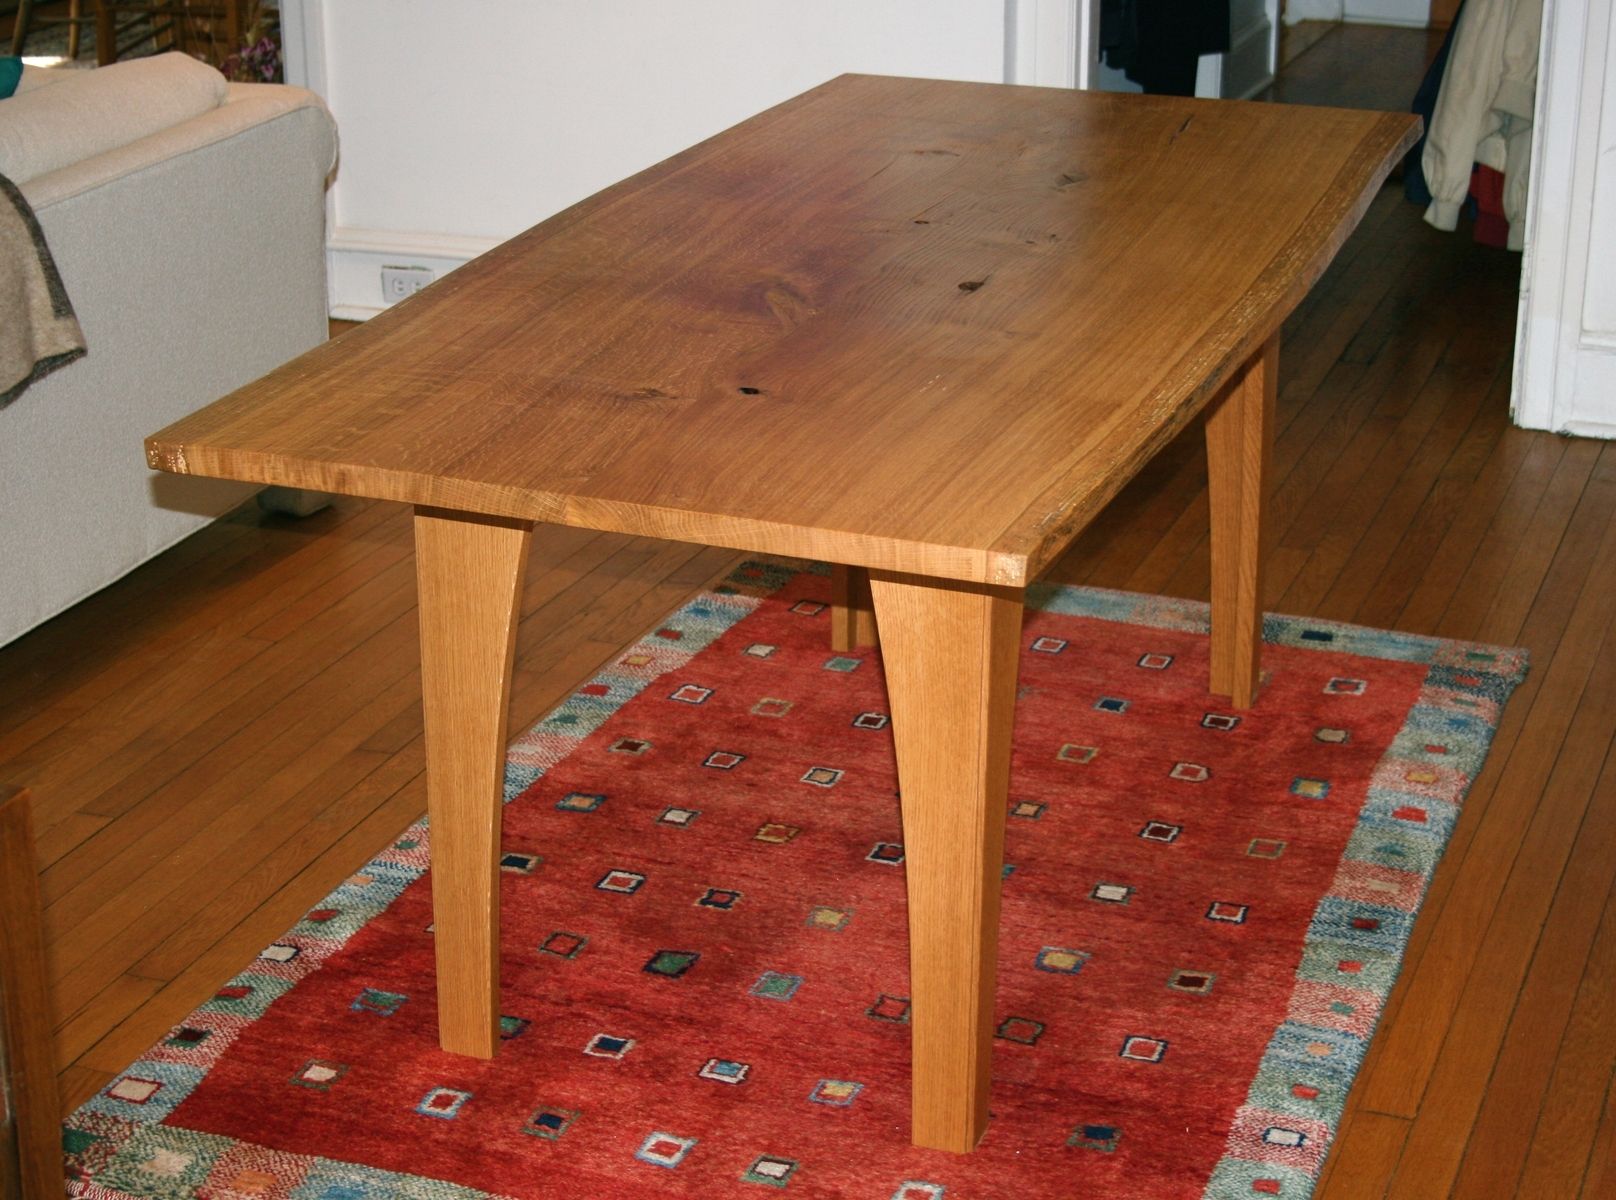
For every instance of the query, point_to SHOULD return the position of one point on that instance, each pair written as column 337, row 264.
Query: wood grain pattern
column 1567, row 1123
column 852, row 611
column 30, row 1124
column 897, row 323
column 1239, row 445
column 1363, row 1176
column 950, row 654
column 1542, row 1023
column 470, row 580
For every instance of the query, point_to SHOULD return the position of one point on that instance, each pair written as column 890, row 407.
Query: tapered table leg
column 1239, row 444
column 950, row 655
column 852, row 613
column 469, row 577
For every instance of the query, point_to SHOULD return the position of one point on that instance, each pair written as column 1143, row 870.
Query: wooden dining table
column 923, row 330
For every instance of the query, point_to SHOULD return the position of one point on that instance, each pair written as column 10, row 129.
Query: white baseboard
column 355, row 258
column 1395, row 22
column 1298, row 11
column 1589, row 429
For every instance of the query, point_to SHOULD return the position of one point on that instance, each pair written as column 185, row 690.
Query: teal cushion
column 10, row 75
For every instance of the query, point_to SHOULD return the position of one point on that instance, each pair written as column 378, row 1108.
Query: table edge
column 1047, row 527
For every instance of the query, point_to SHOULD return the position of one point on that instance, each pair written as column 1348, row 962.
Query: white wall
column 460, row 130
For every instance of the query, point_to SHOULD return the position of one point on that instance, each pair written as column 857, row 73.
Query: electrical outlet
column 400, row 282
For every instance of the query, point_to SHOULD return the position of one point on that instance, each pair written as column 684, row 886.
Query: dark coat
column 1156, row 42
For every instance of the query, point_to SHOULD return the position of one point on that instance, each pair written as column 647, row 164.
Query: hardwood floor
column 221, row 737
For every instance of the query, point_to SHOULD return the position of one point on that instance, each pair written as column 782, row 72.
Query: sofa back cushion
column 90, row 112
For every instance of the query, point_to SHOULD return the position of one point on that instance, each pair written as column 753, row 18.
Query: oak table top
column 897, row 323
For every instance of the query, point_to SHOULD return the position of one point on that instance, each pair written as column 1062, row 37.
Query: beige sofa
column 187, row 218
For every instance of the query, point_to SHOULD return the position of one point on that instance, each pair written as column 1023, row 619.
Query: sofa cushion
column 47, row 128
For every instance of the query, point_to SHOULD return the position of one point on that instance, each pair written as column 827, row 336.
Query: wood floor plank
column 1599, row 1179
column 1366, row 280
column 76, row 1084
column 114, row 729
column 1441, row 540
column 1433, row 982
column 186, row 893
column 1470, row 1044
column 1505, row 572
column 288, row 610
column 1403, row 415
column 129, row 683
column 1545, row 627
column 277, row 756
column 109, row 1006
column 1418, row 447
column 143, row 613
column 1567, row 1131
column 124, row 1042
column 232, row 712
column 1364, row 1158
column 235, row 712
column 52, row 648
column 1504, row 1134
column 1449, row 449
column 327, row 809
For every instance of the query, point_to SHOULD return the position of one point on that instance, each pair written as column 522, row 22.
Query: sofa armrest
column 87, row 113
column 195, row 259
column 246, row 105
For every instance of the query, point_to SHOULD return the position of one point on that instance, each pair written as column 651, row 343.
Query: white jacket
column 1484, row 109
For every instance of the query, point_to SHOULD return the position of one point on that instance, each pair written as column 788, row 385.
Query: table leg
column 469, row 578
column 950, row 652
column 1239, row 444
column 852, row 612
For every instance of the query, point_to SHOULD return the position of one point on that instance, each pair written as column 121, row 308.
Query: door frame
column 1560, row 361
column 1052, row 43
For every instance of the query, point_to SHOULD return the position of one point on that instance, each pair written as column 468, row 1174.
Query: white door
column 1565, row 351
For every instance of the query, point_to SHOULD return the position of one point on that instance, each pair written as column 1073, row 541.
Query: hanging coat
column 1156, row 42
column 1484, row 110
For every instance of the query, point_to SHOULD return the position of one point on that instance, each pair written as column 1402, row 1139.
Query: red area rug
column 704, row 954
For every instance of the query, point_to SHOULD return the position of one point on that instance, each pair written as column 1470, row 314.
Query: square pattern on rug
column 704, row 951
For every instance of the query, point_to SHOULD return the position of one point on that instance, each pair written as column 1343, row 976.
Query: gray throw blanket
column 38, row 331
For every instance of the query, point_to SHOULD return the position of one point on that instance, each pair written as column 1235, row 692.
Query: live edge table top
column 906, row 324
